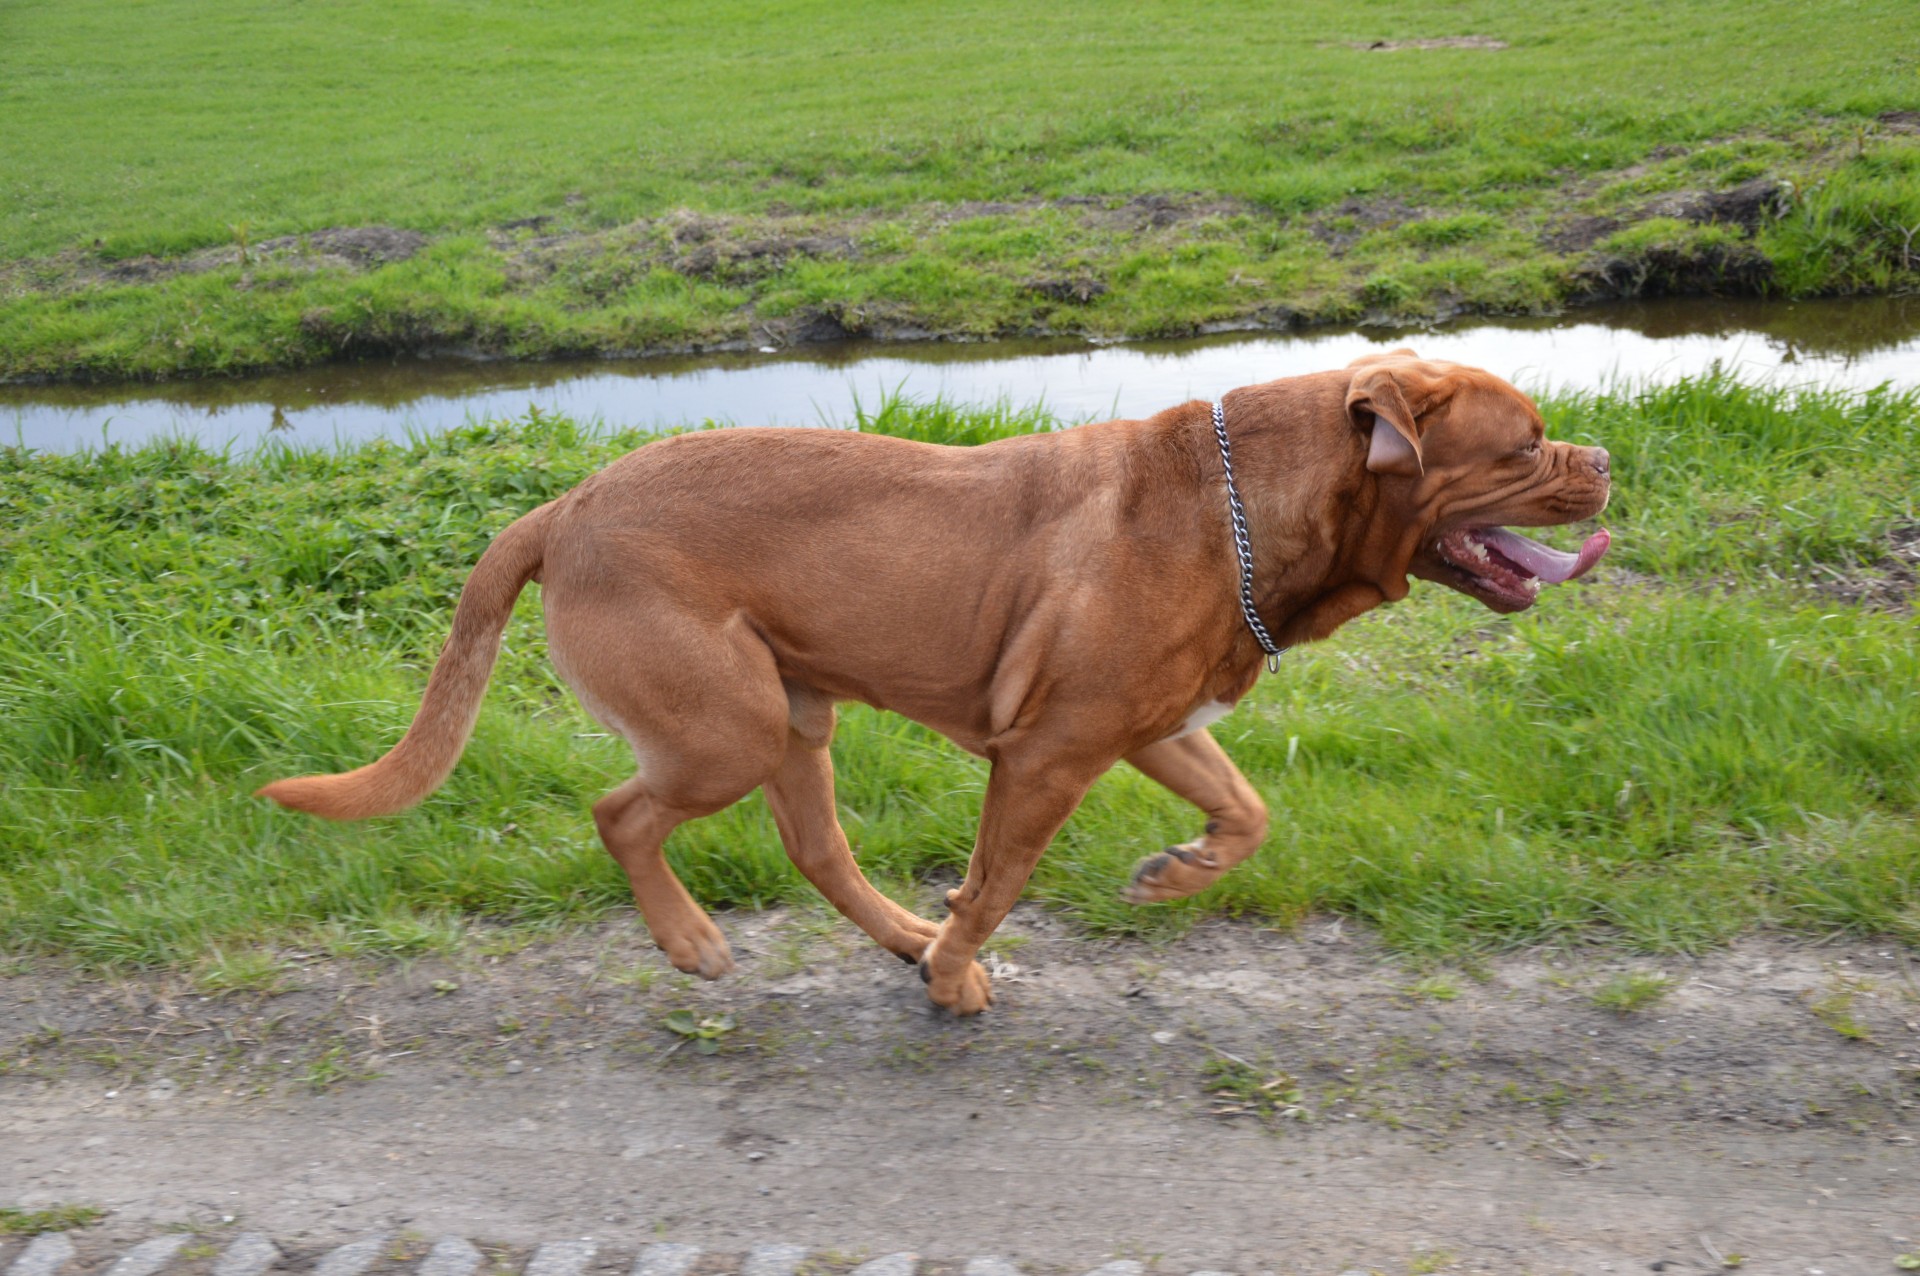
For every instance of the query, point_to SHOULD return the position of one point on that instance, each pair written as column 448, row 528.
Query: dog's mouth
column 1505, row 570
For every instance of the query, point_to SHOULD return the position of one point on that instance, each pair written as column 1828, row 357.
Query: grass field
column 1707, row 738
column 601, row 177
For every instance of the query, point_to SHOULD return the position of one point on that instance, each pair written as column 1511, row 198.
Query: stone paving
column 255, row 1254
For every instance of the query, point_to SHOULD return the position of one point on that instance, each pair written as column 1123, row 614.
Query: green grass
column 247, row 970
column 1632, row 990
column 1695, row 745
column 973, row 165
column 1835, row 1009
column 1433, row 988
column 1239, row 1088
column 56, row 1218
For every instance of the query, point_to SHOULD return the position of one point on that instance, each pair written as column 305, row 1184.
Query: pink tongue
column 1551, row 565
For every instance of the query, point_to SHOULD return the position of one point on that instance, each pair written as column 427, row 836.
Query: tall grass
column 1696, row 743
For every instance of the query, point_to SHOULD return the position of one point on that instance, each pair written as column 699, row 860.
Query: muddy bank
column 1089, row 267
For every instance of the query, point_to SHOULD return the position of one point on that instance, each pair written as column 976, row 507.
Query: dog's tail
column 425, row 755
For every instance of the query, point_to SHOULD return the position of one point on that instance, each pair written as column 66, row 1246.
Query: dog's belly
column 954, row 713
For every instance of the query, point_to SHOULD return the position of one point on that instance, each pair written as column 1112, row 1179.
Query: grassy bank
column 251, row 185
column 1714, row 735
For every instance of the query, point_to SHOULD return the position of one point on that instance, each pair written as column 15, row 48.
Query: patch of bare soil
column 712, row 248
column 1439, row 42
column 1342, row 225
column 1889, row 582
column 601, row 264
column 1236, row 1099
column 1152, row 212
column 1745, row 205
column 1138, row 213
column 744, row 249
column 334, row 248
column 1072, row 290
column 1578, row 227
column 1578, row 233
column 1712, row 270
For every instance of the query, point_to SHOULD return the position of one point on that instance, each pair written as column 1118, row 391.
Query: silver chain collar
column 1242, row 547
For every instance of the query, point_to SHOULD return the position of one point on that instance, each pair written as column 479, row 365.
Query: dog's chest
column 1203, row 716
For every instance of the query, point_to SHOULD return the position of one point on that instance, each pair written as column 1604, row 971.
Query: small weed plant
column 704, row 1033
column 1434, row 988
column 333, row 1067
column 1632, row 991
column 246, row 970
column 54, row 1218
column 1835, row 1009
column 1241, row 1089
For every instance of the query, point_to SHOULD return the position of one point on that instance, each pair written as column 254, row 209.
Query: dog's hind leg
column 1199, row 770
column 800, row 795
column 634, row 822
column 697, row 756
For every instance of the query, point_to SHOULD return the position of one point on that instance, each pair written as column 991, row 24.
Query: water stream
column 1852, row 342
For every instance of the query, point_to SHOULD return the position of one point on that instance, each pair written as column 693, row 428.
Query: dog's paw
column 967, row 993
column 909, row 937
column 700, row 950
column 1174, row 873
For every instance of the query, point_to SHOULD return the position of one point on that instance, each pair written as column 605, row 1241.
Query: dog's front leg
column 1199, row 770
column 1029, row 796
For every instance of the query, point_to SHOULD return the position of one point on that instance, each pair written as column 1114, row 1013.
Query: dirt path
column 1764, row 1106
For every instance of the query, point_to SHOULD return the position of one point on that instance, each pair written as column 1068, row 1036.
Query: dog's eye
column 1531, row 449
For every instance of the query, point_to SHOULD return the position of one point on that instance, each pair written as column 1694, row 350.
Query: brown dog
column 1053, row 603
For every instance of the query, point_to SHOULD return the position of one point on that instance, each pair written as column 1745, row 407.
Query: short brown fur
column 1054, row 603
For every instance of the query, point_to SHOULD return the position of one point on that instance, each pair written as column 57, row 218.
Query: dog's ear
column 1378, row 401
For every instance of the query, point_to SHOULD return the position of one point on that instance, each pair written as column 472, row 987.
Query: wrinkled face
column 1481, row 462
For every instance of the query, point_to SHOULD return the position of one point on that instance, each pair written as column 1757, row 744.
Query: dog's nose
column 1602, row 463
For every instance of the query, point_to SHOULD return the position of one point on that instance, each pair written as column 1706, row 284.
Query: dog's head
column 1460, row 456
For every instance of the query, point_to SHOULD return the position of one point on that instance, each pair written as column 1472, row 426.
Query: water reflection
column 1858, row 342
